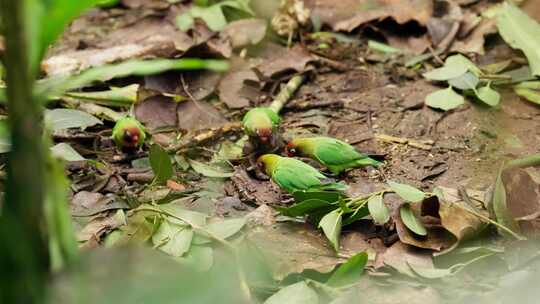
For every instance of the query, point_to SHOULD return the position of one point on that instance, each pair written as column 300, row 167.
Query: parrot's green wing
column 292, row 175
column 331, row 151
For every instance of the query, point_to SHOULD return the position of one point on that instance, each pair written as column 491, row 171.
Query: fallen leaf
column 488, row 96
column 349, row 14
column 156, row 112
column 349, row 272
column 208, row 170
column 66, row 152
column 234, row 92
column 522, row 198
column 60, row 119
column 400, row 256
column 221, row 229
column 530, row 90
column 173, row 239
column 198, row 115
column 245, row 32
column 299, row 293
column 520, row 31
column 467, row 81
column 199, row 258
column 406, row 192
column 99, row 226
column 331, row 226
column 293, row 248
column 283, row 60
column 160, row 162
column 115, row 97
column 411, row 221
column 445, row 99
column 86, row 203
column 378, row 210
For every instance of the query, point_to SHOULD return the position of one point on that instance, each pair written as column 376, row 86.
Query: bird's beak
column 265, row 139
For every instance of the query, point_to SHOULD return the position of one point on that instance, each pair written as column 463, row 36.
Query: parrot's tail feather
column 330, row 186
column 368, row 162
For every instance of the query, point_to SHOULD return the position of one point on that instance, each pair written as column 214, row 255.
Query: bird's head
column 291, row 149
column 131, row 137
column 267, row 163
column 264, row 134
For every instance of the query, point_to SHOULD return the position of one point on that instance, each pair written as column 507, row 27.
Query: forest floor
column 352, row 92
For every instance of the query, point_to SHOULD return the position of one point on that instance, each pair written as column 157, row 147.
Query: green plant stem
column 24, row 258
column 286, row 93
column 524, row 162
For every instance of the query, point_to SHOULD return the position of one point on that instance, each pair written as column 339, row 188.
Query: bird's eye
column 292, row 151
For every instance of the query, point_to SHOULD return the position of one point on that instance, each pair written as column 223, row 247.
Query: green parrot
column 128, row 133
column 294, row 175
column 261, row 123
column 333, row 153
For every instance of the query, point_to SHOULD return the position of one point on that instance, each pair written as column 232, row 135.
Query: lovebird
column 333, row 153
column 128, row 133
column 294, row 175
column 261, row 123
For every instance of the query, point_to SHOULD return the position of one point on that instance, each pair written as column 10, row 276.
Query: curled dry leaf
column 523, row 198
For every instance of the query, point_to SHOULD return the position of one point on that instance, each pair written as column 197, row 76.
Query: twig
column 207, row 136
column 424, row 145
column 286, row 93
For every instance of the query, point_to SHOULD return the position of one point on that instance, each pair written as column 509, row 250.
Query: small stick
column 426, row 145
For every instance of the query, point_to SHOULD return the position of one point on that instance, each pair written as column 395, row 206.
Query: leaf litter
column 386, row 232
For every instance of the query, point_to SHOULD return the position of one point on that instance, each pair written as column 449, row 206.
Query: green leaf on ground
column 445, row 99
column 331, row 226
column 60, row 119
column 521, row 32
column 222, row 229
column 66, row 152
column 328, row 196
column 173, row 239
column 467, row 81
column 378, row 210
column 349, row 272
column 529, row 90
column 446, row 72
column 488, row 96
column 407, row 192
column 299, row 293
column 161, row 163
column 183, row 216
column 305, row 207
column 208, row 170
column 199, row 258
column 411, row 221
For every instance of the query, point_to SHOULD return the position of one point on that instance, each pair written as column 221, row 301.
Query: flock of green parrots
column 261, row 124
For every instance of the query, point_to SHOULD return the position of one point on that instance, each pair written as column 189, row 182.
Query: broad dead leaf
column 346, row 15
column 292, row 248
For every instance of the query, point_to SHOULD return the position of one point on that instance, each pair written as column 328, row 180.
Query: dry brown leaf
column 157, row 112
column 474, row 41
column 283, row 60
column 523, row 198
column 346, row 15
column 234, row 92
column 245, row 32
column 399, row 256
column 198, row 115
